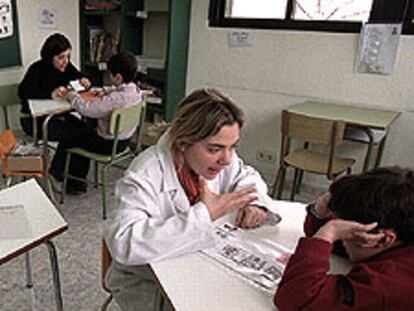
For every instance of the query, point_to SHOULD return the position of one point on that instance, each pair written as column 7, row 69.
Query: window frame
column 380, row 13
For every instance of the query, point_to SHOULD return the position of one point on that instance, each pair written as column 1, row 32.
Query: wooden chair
column 9, row 102
column 122, row 119
column 106, row 260
column 309, row 130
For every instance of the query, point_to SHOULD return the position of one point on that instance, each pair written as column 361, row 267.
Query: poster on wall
column 48, row 18
column 6, row 19
column 378, row 48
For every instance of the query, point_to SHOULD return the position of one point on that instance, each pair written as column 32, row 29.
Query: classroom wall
column 287, row 67
column 32, row 36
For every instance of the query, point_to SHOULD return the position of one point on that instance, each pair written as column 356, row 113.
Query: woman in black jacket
column 44, row 80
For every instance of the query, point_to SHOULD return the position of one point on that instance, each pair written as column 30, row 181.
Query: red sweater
column 384, row 282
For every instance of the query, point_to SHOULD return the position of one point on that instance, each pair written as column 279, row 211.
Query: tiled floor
column 79, row 259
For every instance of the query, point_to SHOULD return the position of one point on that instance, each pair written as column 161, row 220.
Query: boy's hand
column 339, row 229
column 251, row 216
column 321, row 205
column 219, row 205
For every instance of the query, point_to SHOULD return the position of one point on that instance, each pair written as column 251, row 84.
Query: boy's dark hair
column 124, row 63
column 54, row 45
column 383, row 195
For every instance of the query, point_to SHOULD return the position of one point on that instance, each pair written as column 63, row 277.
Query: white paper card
column 14, row 223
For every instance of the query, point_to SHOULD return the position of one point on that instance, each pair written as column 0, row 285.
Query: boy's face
column 116, row 79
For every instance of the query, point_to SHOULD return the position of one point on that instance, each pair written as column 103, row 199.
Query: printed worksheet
column 260, row 262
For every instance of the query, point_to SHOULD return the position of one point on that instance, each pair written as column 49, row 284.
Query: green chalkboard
column 10, row 46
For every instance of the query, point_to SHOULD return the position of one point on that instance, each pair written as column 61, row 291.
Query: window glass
column 332, row 10
column 256, row 8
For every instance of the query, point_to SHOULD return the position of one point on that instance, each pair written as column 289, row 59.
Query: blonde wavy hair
column 202, row 114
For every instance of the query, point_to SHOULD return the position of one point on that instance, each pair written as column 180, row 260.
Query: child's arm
column 93, row 109
column 318, row 215
column 305, row 283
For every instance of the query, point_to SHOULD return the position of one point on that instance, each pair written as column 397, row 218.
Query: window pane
column 256, row 8
column 332, row 10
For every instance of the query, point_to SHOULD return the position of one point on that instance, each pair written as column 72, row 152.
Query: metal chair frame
column 118, row 124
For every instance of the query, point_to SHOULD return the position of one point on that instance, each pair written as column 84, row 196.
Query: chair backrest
column 126, row 118
column 8, row 97
column 129, row 117
column 311, row 130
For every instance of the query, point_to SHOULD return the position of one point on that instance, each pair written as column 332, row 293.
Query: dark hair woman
column 44, row 78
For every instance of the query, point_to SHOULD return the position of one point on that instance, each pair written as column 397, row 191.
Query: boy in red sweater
column 372, row 214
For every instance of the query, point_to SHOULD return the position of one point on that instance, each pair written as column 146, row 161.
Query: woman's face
column 210, row 155
column 61, row 60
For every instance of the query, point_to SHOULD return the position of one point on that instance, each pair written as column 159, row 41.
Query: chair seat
column 97, row 156
column 315, row 162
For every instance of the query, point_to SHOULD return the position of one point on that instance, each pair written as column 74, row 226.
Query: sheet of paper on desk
column 48, row 106
column 259, row 262
column 14, row 223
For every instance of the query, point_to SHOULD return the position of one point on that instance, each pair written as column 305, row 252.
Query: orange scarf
column 189, row 181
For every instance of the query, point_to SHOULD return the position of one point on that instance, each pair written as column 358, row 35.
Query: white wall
column 287, row 67
column 32, row 37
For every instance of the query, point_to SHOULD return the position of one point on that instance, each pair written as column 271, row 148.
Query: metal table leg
column 45, row 137
column 56, row 277
column 369, row 150
column 29, row 278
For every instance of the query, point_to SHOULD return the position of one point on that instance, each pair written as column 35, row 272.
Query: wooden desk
column 46, row 107
column 193, row 282
column 362, row 117
column 45, row 223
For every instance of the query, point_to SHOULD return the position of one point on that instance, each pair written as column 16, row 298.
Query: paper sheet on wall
column 259, row 262
column 14, row 223
column 6, row 19
column 378, row 48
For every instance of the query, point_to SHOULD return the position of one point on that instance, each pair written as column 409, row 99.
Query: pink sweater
column 124, row 95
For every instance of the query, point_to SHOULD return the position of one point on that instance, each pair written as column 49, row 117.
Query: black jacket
column 41, row 79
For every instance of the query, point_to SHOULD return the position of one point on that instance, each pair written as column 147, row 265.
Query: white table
column 44, row 221
column 192, row 282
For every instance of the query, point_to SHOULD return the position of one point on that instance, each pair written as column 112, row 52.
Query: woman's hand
column 221, row 204
column 251, row 216
column 59, row 92
column 86, row 83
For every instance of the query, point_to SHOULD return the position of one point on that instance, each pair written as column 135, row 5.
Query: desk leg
column 29, row 278
column 56, row 277
column 380, row 151
column 369, row 150
column 46, row 158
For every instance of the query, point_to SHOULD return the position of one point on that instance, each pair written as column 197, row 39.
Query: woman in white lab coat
column 173, row 191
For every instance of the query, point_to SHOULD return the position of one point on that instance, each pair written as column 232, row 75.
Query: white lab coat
column 155, row 220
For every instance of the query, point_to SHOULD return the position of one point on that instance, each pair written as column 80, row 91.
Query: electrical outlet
column 266, row 156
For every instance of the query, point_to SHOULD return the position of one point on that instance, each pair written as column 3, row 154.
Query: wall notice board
column 9, row 35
